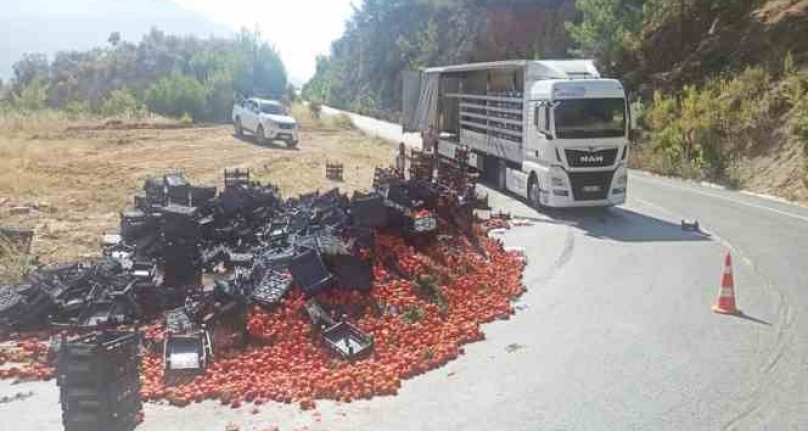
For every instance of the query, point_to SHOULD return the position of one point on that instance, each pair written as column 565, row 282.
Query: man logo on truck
column 591, row 159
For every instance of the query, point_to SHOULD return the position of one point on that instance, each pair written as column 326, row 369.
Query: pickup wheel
column 238, row 128
column 291, row 143
column 260, row 136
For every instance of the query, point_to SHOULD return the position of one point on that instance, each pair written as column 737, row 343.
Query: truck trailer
column 551, row 131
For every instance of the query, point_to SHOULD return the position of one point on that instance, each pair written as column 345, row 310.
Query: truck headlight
column 557, row 177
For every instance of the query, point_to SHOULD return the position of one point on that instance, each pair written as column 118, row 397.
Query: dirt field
column 69, row 181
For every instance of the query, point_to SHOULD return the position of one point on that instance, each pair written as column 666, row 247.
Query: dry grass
column 76, row 177
column 14, row 264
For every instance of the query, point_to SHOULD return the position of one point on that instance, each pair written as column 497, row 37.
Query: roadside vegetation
column 181, row 77
column 706, row 131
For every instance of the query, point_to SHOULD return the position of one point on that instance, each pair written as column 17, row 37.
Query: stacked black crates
column 99, row 381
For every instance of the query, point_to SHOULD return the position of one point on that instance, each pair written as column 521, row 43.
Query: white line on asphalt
column 736, row 201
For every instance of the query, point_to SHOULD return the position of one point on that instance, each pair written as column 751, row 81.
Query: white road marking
column 736, row 201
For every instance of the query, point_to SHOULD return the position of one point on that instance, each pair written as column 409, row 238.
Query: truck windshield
column 590, row 118
column 271, row 108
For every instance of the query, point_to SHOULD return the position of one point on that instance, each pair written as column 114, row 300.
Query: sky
column 299, row 29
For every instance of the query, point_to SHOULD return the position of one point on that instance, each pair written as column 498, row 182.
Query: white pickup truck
column 266, row 119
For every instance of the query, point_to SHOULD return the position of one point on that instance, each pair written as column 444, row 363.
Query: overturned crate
column 347, row 341
column 185, row 356
column 334, row 171
column 235, row 177
column 99, row 381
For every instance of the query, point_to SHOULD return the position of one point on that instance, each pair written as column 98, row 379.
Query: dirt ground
column 70, row 181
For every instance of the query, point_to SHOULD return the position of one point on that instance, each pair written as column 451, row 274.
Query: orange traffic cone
column 726, row 294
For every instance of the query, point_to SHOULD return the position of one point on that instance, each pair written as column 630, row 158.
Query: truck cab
column 577, row 143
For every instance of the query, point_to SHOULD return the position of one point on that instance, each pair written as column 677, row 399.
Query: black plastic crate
column 272, row 287
column 106, row 313
column 101, row 346
column 112, row 392
column 95, row 421
column 309, row 272
column 177, row 320
column 352, row 273
column 201, row 196
column 95, row 408
column 347, row 340
column 368, row 211
column 97, row 375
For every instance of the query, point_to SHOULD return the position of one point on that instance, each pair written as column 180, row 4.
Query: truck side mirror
column 542, row 121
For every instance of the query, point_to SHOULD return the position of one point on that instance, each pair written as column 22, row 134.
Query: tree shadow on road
column 280, row 145
column 625, row 225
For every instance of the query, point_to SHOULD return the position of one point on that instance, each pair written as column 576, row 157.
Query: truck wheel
column 291, row 144
column 534, row 192
column 501, row 174
column 238, row 128
column 259, row 135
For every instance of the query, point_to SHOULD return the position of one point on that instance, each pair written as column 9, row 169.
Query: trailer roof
column 559, row 69
column 469, row 67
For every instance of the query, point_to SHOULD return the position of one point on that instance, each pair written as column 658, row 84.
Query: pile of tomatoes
column 27, row 357
column 286, row 361
column 412, row 334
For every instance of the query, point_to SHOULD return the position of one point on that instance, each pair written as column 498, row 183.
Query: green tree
column 219, row 96
column 120, row 102
column 261, row 71
column 33, row 96
column 608, row 29
column 114, row 38
column 29, row 68
column 177, row 95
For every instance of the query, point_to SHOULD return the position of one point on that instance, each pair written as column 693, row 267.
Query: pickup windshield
column 590, row 118
column 271, row 108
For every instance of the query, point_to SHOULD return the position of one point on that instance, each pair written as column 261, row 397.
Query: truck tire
column 291, row 143
column 534, row 192
column 501, row 175
column 260, row 137
column 238, row 128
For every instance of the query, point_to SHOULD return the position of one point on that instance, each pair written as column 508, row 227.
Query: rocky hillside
column 720, row 80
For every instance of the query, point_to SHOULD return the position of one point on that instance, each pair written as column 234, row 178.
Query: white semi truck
column 552, row 131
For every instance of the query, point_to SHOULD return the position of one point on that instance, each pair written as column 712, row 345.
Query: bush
column 177, row 95
column 186, row 119
column 343, row 121
column 702, row 132
column 120, row 103
column 315, row 108
column 77, row 109
column 33, row 96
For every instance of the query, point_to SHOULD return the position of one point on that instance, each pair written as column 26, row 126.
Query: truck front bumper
column 562, row 189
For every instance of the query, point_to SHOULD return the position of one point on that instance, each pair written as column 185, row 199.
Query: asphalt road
column 615, row 331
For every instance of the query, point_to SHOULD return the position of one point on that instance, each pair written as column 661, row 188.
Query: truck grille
column 591, row 159
column 286, row 126
column 590, row 186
